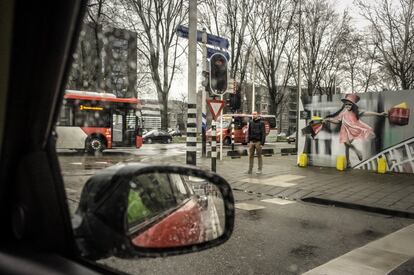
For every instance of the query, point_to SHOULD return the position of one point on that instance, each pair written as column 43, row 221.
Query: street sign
column 214, row 40
column 215, row 107
column 211, row 51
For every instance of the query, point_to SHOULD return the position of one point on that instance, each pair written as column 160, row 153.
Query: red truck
column 240, row 127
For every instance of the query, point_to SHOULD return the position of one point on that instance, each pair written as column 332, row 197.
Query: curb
column 361, row 207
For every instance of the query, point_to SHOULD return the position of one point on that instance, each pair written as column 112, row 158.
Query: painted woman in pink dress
column 352, row 127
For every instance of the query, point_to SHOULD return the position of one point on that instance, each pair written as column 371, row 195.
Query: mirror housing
column 100, row 223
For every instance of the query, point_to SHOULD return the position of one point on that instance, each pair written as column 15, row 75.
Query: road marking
column 270, row 181
column 76, row 163
column 288, row 177
column 278, row 201
column 377, row 257
column 280, row 184
column 248, row 206
column 101, row 162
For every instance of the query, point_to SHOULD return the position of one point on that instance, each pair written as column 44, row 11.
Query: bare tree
column 271, row 34
column 358, row 67
column 87, row 69
column 230, row 19
column 211, row 11
column 155, row 21
column 392, row 30
column 322, row 33
column 182, row 107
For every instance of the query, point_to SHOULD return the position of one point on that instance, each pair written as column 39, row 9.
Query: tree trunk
column 273, row 102
column 164, row 115
column 404, row 83
column 310, row 88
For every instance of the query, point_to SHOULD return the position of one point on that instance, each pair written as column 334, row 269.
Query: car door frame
column 33, row 203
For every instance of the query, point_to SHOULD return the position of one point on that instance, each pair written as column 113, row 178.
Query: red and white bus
column 96, row 121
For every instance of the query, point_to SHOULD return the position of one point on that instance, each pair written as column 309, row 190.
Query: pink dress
column 353, row 128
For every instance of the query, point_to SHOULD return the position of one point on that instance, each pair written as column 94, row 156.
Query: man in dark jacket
column 257, row 136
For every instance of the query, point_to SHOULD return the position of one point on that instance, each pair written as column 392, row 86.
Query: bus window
column 238, row 123
column 246, row 120
column 65, row 116
column 271, row 120
column 90, row 118
column 131, row 120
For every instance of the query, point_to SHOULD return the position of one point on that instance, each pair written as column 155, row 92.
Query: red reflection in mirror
column 180, row 228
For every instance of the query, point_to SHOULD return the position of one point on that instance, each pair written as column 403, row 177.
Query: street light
column 299, row 75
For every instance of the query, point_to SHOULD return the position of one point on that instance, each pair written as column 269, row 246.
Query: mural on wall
column 361, row 127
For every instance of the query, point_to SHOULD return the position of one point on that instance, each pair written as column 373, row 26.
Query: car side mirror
column 139, row 210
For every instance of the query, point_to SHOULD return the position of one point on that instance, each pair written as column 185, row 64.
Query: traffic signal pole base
column 234, row 154
column 209, row 154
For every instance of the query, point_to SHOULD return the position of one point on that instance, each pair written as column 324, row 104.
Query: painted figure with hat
column 352, row 127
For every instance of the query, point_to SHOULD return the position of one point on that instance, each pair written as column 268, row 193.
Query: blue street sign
column 211, row 51
column 214, row 40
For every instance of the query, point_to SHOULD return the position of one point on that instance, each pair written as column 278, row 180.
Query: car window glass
column 180, row 186
column 129, row 76
column 155, row 191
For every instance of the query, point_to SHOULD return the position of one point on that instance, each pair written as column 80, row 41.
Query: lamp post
column 299, row 75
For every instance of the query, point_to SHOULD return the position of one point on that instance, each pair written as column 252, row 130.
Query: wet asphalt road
column 288, row 239
column 279, row 239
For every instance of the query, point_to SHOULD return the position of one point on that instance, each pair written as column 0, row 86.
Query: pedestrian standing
column 256, row 136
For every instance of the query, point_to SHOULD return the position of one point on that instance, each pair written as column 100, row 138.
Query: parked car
column 291, row 138
column 175, row 133
column 157, row 136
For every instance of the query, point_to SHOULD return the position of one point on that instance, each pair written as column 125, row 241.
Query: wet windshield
column 331, row 82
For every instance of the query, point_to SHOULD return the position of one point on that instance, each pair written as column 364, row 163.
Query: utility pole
column 203, row 98
column 299, row 75
column 254, row 81
column 191, row 154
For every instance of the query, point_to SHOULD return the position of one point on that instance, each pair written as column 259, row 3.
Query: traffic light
column 234, row 101
column 218, row 72
column 206, row 80
column 228, row 102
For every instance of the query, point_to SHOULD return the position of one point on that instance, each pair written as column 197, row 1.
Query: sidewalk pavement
column 281, row 177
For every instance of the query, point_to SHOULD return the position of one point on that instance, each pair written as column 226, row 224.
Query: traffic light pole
column 191, row 152
column 203, row 99
column 254, row 81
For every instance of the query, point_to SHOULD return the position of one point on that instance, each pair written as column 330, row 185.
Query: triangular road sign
column 215, row 106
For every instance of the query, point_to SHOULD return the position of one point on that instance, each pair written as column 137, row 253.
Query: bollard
column 382, row 166
column 340, row 163
column 213, row 147
column 303, row 160
column 232, row 133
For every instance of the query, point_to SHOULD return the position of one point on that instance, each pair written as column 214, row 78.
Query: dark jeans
column 255, row 146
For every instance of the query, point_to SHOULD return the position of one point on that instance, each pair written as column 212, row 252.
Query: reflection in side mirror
column 165, row 211
column 139, row 210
